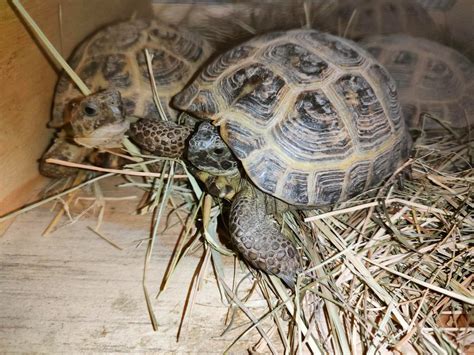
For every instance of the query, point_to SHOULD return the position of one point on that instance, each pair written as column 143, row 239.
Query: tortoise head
column 98, row 120
column 212, row 157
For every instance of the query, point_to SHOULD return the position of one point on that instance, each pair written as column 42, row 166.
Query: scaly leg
column 258, row 238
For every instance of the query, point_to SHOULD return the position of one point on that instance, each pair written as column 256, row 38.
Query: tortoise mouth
column 106, row 136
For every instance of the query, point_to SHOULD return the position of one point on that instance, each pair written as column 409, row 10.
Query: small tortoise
column 114, row 58
column 305, row 119
column 361, row 18
column 431, row 78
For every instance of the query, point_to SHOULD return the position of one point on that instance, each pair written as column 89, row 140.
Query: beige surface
column 74, row 292
column 27, row 81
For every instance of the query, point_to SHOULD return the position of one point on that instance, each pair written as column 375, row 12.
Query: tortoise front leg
column 258, row 238
column 162, row 138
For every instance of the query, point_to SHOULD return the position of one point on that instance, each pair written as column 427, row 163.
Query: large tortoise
column 431, row 78
column 361, row 18
column 305, row 119
column 114, row 58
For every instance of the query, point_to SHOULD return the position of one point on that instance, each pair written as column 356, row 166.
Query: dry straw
column 380, row 268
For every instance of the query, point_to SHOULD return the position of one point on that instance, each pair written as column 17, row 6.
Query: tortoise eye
column 89, row 110
column 218, row 151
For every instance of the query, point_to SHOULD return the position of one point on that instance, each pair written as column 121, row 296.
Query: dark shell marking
column 254, row 90
column 311, row 116
column 368, row 115
column 167, row 69
column 298, row 64
column 313, row 130
column 114, row 58
column 431, row 78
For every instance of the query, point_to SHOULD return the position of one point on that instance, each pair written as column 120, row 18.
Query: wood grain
column 73, row 292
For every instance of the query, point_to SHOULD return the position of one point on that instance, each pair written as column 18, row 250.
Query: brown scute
column 340, row 51
column 184, row 44
column 128, row 106
column 228, row 59
column 90, row 68
column 115, row 71
column 167, row 69
column 183, row 99
column 368, row 115
column 313, row 130
column 162, row 138
column 268, row 170
column 358, row 175
column 118, row 37
column 296, row 188
column 298, row 64
column 382, row 78
column 300, row 109
column 255, row 90
column 204, row 105
column 328, row 187
column 241, row 140
column 383, row 166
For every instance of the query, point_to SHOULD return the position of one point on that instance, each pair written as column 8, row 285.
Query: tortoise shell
column 313, row 118
column 114, row 57
column 431, row 78
column 356, row 19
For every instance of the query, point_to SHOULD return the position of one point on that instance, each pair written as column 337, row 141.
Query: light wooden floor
column 74, row 292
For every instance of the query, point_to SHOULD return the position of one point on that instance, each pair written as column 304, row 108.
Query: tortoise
column 357, row 19
column 431, row 78
column 293, row 118
column 225, row 25
column 114, row 57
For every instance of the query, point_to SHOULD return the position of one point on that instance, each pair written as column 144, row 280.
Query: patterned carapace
column 313, row 118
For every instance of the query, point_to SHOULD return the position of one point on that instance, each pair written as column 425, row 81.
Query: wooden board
column 73, row 292
column 27, row 79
